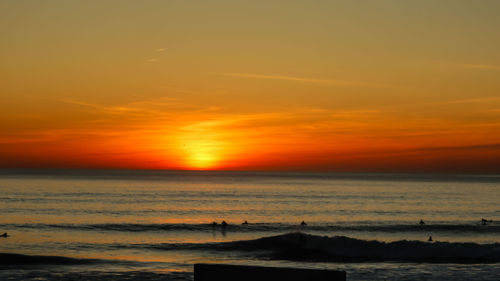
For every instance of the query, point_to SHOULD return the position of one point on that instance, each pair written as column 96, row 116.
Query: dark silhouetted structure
column 224, row 272
column 303, row 223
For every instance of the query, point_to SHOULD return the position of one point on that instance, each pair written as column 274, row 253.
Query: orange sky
column 255, row 85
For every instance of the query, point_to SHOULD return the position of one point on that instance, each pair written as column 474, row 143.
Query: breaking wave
column 306, row 247
column 298, row 246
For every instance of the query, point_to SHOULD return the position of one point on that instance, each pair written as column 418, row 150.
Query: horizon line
column 458, row 173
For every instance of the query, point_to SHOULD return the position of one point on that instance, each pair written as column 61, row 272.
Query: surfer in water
column 224, row 223
column 422, row 222
column 245, row 223
column 303, row 223
column 485, row 221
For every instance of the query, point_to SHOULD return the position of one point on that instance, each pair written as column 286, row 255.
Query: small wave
column 7, row 259
column 274, row 227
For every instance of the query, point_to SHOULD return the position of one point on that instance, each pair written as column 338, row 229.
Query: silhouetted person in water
column 485, row 221
column 224, row 223
column 214, row 224
column 4, row 235
column 245, row 223
column 422, row 222
column 303, row 223
column 430, row 239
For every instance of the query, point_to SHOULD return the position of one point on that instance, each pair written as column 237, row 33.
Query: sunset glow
column 235, row 86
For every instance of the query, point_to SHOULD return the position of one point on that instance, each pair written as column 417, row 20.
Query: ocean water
column 154, row 225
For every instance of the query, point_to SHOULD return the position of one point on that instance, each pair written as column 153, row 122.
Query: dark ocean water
column 154, row 225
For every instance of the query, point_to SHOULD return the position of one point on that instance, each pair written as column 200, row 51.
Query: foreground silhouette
column 227, row 272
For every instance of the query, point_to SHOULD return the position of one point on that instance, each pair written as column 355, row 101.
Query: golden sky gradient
column 251, row 85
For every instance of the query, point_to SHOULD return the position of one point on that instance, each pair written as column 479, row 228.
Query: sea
column 155, row 225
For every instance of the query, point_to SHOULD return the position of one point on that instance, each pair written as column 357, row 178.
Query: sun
column 206, row 145
column 202, row 153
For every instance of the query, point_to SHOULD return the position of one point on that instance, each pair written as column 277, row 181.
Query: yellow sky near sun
column 261, row 85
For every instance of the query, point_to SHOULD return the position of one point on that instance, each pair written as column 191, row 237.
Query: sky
column 346, row 86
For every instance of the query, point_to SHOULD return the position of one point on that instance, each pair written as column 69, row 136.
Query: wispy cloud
column 475, row 100
column 491, row 146
column 458, row 101
column 479, row 66
column 150, row 107
column 442, row 103
column 356, row 113
column 467, row 65
column 300, row 79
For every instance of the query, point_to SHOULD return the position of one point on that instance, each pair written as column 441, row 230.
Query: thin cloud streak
column 141, row 108
column 442, row 103
column 466, row 65
column 479, row 66
column 300, row 79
